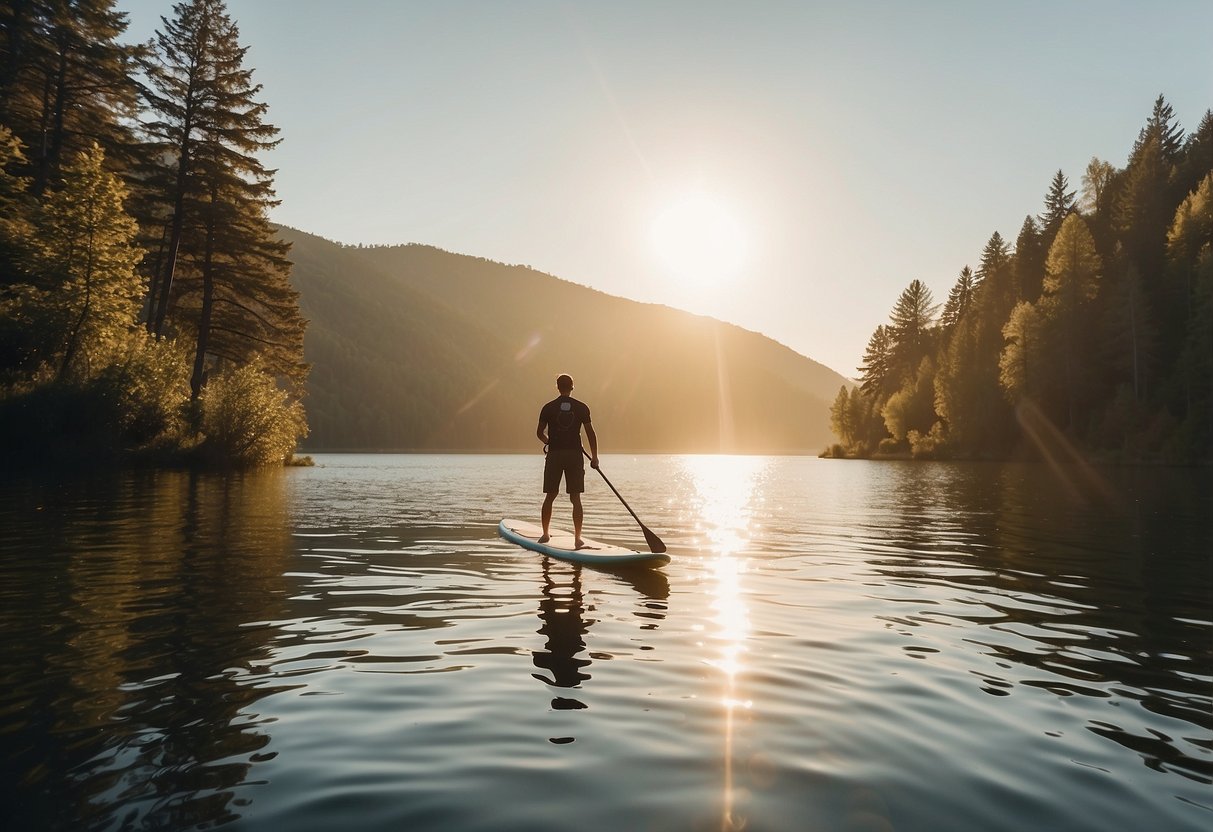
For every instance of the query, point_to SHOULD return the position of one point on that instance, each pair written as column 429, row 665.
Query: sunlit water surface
column 836, row 645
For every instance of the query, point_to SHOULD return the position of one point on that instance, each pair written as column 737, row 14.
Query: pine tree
column 1028, row 264
column 909, row 331
column 1197, row 155
column 1161, row 127
column 66, row 82
column 234, row 297
column 995, row 278
column 1059, row 202
column 875, row 373
column 960, row 298
column 1072, row 281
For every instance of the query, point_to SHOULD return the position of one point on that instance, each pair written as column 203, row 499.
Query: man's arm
column 539, row 432
column 589, row 434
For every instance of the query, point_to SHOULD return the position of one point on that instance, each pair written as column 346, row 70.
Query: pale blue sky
column 858, row 145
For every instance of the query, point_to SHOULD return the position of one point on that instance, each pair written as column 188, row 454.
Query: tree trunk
column 204, row 320
column 174, row 244
column 73, row 336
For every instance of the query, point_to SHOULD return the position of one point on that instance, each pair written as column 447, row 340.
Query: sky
column 789, row 167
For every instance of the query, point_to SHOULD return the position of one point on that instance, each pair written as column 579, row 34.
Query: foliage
column 66, row 83
column 224, row 280
column 89, row 293
column 1021, row 366
column 248, row 420
column 1100, row 320
column 81, row 379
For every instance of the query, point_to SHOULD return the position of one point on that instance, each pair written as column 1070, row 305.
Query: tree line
column 145, row 303
column 1091, row 335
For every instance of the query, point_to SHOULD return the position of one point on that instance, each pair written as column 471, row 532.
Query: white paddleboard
column 560, row 545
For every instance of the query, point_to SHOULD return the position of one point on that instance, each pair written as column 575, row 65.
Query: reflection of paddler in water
column 564, row 625
column 563, row 622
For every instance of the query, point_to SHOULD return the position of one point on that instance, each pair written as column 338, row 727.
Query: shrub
column 248, row 420
column 890, row 446
column 149, row 380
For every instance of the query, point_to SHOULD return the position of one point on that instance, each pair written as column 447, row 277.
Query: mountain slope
column 417, row 348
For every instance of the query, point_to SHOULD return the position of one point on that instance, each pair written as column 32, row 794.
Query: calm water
column 835, row 646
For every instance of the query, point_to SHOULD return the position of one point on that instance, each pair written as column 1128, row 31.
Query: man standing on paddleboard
column 560, row 424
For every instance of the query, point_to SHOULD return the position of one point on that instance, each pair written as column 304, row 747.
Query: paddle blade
column 655, row 544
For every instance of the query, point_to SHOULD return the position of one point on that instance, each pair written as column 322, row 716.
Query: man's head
column 564, row 383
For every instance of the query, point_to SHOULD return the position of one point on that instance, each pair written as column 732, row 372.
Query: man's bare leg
column 575, row 499
column 545, row 515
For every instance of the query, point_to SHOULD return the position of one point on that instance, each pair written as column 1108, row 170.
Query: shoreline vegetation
column 148, row 318
column 1088, row 340
column 146, row 313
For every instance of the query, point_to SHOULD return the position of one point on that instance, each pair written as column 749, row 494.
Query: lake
column 836, row 645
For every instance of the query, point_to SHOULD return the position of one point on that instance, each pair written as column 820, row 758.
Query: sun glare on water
column 699, row 240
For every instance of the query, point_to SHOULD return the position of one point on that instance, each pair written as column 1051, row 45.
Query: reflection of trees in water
column 563, row 622
column 128, row 634
column 1099, row 590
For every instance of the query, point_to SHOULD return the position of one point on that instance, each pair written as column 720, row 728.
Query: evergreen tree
column 1197, row 160
column 66, row 82
column 995, row 277
column 1028, row 265
column 910, row 331
column 1189, row 250
column 1192, row 228
column 1099, row 185
column 1059, row 202
column 876, row 372
column 236, row 301
column 1143, row 216
column 1021, row 365
column 1071, row 282
column 1161, row 127
column 1129, row 338
column 960, row 298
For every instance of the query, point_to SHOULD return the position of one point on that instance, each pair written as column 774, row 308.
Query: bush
column 149, row 380
column 248, row 420
column 932, row 445
column 889, row 446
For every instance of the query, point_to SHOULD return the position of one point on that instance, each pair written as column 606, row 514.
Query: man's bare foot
column 544, row 539
column 579, row 543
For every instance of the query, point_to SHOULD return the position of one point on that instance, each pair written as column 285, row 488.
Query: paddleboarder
column 560, row 424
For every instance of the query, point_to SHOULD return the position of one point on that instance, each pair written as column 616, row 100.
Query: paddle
column 655, row 544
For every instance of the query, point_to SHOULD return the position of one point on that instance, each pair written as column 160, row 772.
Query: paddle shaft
column 655, row 543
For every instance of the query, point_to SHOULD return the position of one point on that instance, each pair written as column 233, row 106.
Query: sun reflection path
column 725, row 485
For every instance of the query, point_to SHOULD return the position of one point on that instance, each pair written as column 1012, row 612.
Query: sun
column 698, row 239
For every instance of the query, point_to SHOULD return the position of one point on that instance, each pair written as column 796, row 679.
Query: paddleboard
column 560, row 546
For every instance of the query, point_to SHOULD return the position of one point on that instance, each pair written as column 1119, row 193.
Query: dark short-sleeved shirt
column 564, row 417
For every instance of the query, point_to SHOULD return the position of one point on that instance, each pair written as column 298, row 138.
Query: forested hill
column 416, row 348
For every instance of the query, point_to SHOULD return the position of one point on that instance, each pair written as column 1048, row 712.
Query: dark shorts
column 566, row 462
